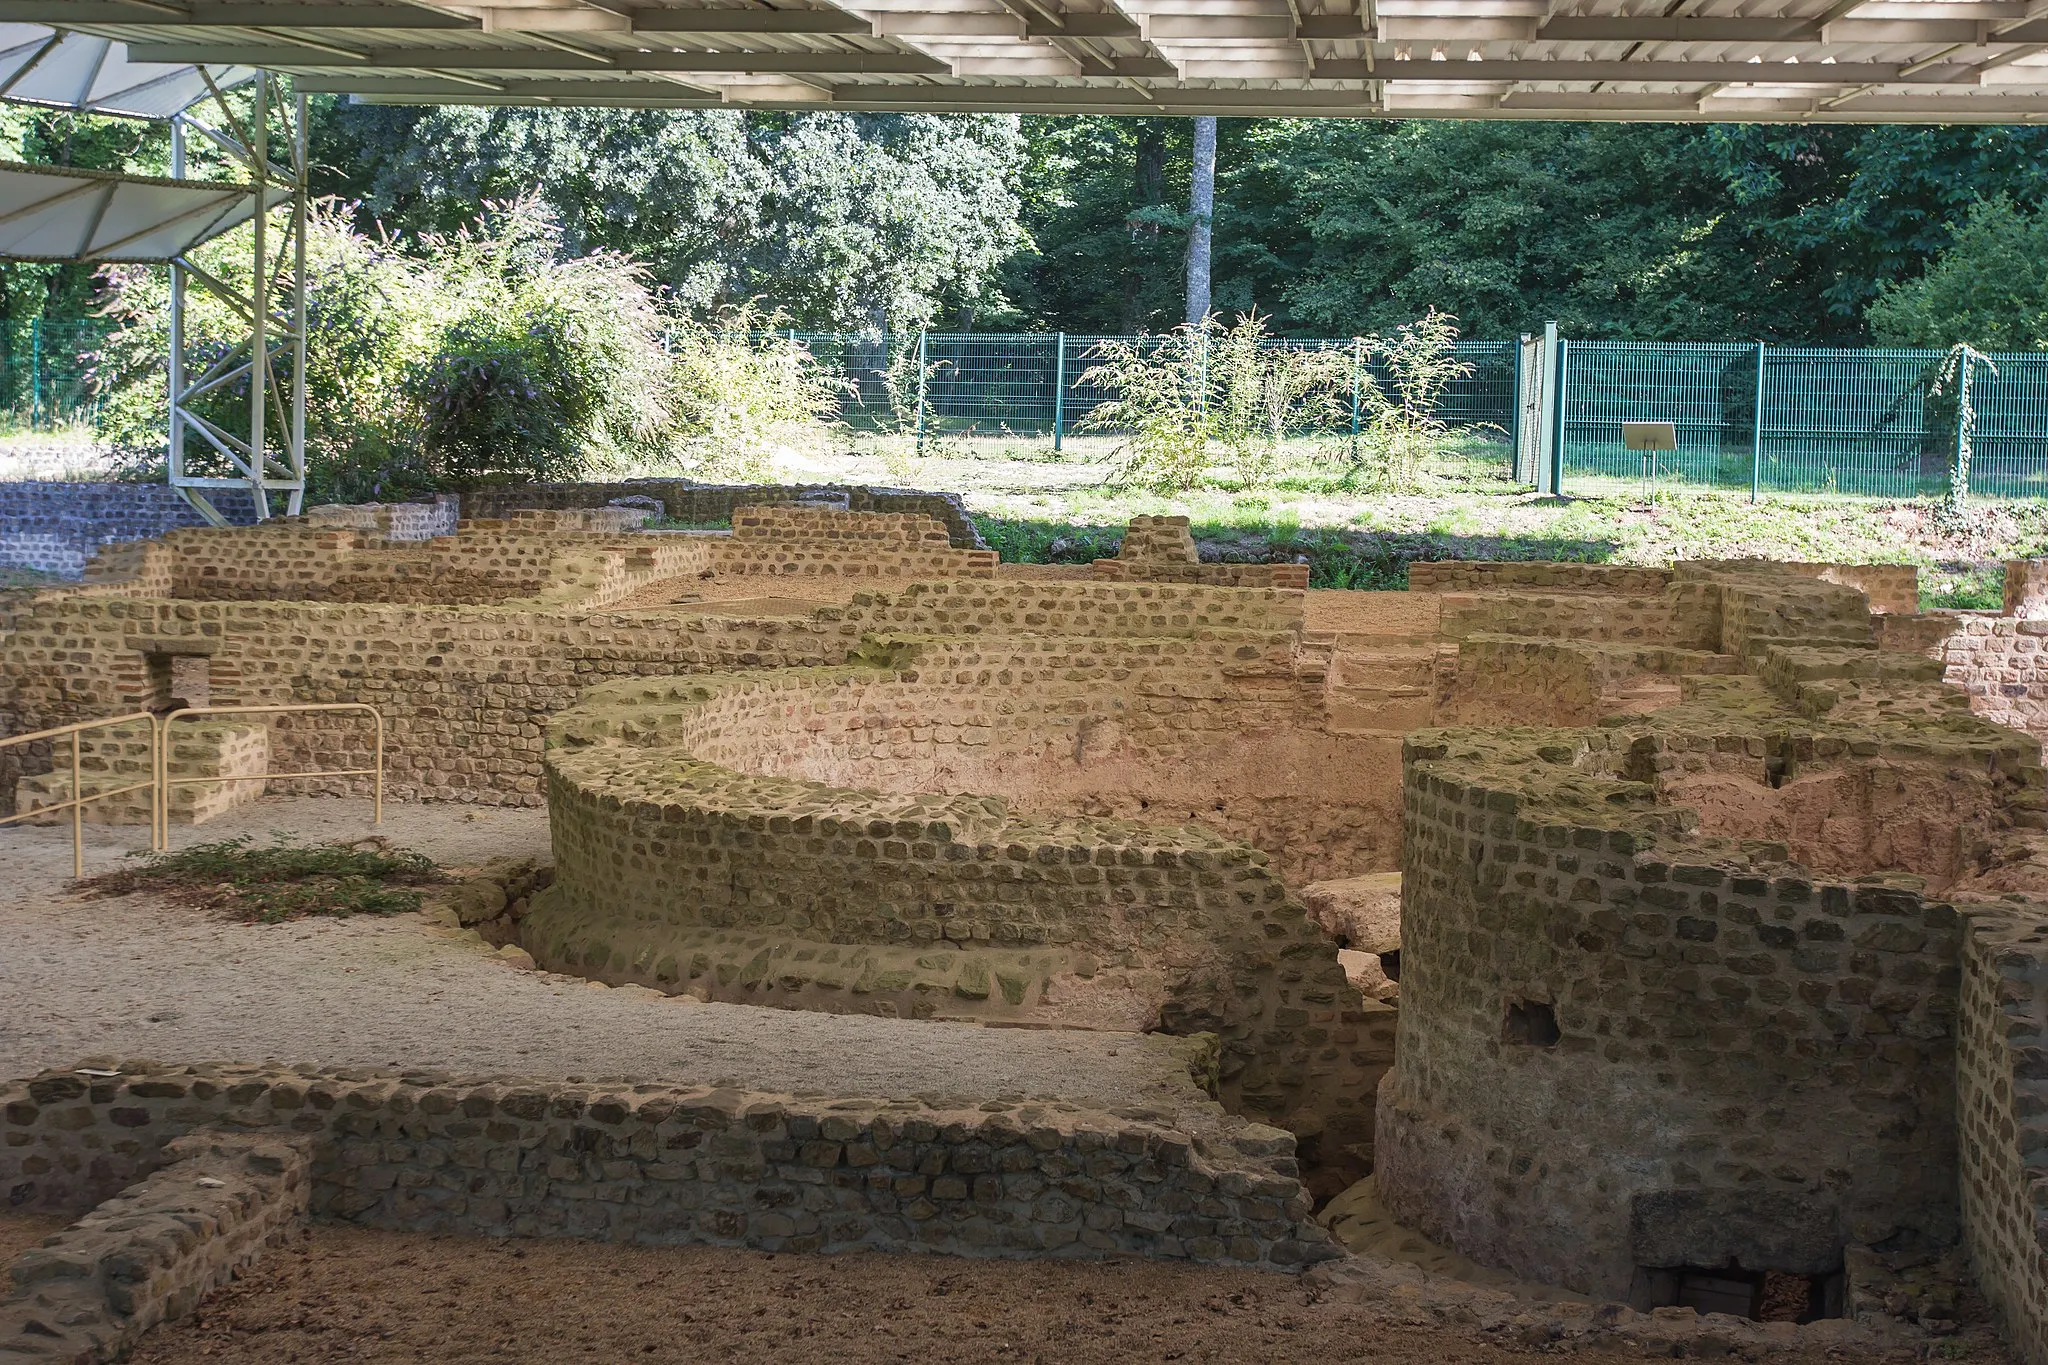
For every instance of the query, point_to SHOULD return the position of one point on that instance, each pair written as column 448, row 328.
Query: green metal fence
column 1796, row 419
column 990, row 384
column 45, row 365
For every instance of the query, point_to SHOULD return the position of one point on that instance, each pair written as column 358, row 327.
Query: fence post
column 1357, row 363
column 1563, row 351
column 920, row 390
column 35, row 372
column 1756, row 430
column 1959, row 476
column 1059, row 388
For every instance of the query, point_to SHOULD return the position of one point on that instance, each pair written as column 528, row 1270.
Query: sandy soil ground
column 349, row 1294
column 134, row 978
column 19, row 1231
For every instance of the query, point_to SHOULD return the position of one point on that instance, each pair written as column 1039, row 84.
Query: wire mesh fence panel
column 1707, row 392
column 46, row 369
column 2009, row 447
column 870, row 368
column 1858, row 422
column 988, row 384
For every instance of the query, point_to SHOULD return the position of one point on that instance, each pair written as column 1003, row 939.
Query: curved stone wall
column 710, row 837
column 1628, row 1048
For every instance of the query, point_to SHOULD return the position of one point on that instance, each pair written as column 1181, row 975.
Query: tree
column 1987, row 289
column 834, row 220
column 1201, row 216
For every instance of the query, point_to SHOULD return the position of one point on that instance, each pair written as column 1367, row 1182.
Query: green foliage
column 1175, row 396
column 482, row 353
column 841, row 221
column 1642, row 231
column 541, row 364
column 1987, row 289
column 744, row 392
column 267, row 885
column 1399, row 431
column 1964, row 587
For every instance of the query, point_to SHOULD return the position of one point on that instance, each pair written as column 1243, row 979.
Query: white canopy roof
column 1978, row 61
column 54, row 213
column 77, row 71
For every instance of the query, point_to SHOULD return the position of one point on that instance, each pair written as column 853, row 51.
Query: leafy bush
column 1398, row 431
column 743, row 392
column 1176, row 395
column 1987, row 289
column 486, row 353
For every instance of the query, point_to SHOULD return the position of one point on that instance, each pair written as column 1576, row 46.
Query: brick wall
column 2001, row 1039
column 1748, row 1063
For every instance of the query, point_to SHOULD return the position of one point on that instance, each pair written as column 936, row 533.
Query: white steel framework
column 207, row 455
column 1975, row 61
column 55, row 213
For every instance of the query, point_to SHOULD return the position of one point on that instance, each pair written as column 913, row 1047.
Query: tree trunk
column 1201, row 216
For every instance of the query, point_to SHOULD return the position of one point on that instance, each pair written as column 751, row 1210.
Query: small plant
column 1398, row 431
column 267, row 885
column 1175, row 396
column 1949, row 406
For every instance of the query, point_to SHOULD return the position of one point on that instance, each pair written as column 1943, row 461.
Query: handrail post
column 377, row 781
column 1059, row 389
column 1756, row 432
column 77, row 813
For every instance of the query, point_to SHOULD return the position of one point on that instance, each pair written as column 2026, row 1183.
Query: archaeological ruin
column 1670, row 937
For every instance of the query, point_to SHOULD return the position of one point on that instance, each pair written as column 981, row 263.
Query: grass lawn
column 1037, row 505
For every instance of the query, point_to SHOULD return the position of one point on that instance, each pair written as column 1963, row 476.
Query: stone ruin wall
column 469, row 689
column 1752, row 1067
column 638, row 1162
column 706, row 504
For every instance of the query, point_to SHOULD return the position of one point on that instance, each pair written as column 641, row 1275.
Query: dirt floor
column 133, row 977
column 19, row 1231
column 348, row 1294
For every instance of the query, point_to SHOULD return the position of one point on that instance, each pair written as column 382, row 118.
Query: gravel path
column 134, row 977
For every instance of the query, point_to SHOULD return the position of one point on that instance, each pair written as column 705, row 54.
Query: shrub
column 1399, row 430
column 485, row 353
column 1988, row 288
column 1175, row 395
column 744, row 393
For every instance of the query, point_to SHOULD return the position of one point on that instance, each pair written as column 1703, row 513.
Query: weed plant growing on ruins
column 281, row 881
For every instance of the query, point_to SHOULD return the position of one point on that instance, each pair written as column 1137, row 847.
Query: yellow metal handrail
column 161, row 835
column 79, row 800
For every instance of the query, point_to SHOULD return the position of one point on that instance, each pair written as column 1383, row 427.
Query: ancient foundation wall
column 393, row 520
column 1616, row 1058
column 667, row 1164
column 1488, row 576
column 464, row 691
column 2001, row 1041
column 1673, row 617
column 709, row 504
column 2002, row 664
column 689, row 876
column 153, row 1251
column 56, row 527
